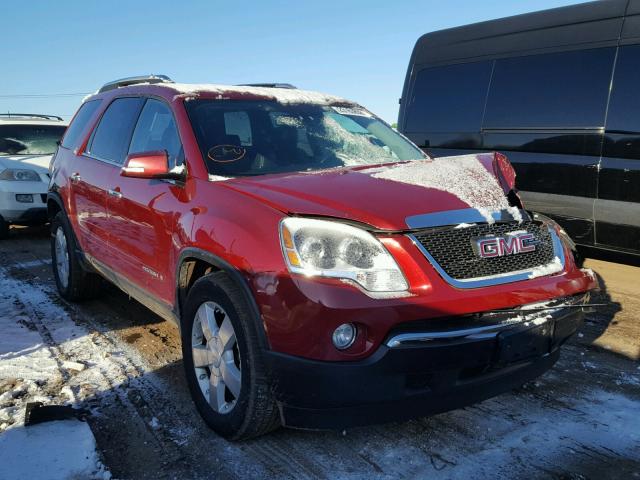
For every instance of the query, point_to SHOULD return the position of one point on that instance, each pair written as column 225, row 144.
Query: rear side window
column 624, row 107
column 79, row 123
column 112, row 136
column 156, row 130
column 449, row 98
column 557, row 90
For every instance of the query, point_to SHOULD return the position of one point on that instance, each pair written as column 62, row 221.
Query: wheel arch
column 54, row 205
column 194, row 263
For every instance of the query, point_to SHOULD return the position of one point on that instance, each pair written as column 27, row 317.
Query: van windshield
column 240, row 138
column 30, row 139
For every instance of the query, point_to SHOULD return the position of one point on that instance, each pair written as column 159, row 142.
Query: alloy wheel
column 216, row 357
column 62, row 257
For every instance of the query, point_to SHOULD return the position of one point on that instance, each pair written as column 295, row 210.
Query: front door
column 141, row 211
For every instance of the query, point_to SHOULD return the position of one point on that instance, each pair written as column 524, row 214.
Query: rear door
column 617, row 209
column 142, row 213
column 95, row 170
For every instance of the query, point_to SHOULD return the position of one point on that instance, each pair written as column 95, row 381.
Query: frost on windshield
column 463, row 176
column 355, row 148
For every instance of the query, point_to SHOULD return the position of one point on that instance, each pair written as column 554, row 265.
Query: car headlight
column 331, row 249
column 22, row 175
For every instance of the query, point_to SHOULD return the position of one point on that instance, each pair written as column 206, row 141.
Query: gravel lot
column 580, row 420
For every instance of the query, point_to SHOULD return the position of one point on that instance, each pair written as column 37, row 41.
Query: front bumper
column 417, row 372
column 23, row 213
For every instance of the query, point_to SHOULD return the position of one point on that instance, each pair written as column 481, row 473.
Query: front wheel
column 223, row 361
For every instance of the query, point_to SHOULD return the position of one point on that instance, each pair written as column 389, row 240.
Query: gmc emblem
column 509, row 244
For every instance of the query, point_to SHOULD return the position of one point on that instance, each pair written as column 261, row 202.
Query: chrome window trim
column 492, row 280
column 456, row 217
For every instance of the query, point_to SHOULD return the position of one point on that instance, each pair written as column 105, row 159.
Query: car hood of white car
column 39, row 163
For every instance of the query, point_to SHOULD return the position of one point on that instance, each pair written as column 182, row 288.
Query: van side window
column 624, row 106
column 112, row 136
column 556, row 90
column 79, row 123
column 156, row 130
column 449, row 98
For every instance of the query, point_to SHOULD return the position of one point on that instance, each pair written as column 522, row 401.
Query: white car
column 27, row 142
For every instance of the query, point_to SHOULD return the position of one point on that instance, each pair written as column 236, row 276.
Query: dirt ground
column 580, row 420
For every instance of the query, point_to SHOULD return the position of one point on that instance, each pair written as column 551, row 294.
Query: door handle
column 75, row 178
column 115, row 193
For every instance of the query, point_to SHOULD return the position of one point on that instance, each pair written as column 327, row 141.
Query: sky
column 352, row 48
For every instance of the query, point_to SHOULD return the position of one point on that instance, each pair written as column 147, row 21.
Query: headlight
column 19, row 175
column 330, row 249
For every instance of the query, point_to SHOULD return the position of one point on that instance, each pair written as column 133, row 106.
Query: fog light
column 24, row 198
column 344, row 336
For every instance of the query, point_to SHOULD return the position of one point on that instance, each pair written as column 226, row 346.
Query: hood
column 384, row 196
column 39, row 163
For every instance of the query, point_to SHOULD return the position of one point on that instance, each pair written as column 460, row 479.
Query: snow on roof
column 281, row 95
column 463, row 176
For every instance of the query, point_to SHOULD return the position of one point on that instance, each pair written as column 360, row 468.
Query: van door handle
column 75, row 178
column 115, row 193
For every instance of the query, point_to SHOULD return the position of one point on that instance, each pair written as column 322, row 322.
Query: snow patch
column 280, row 95
column 218, row 178
column 549, row 269
column 63, row 449
column 463, row 176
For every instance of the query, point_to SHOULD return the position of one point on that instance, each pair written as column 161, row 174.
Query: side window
column 112, row 136
column 156, row 130
column 79, row 123
column 556, row 90
column 625, row 96
column 238, row 123
column 449, row 98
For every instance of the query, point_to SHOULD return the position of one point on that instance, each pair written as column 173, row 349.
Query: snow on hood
column 281, row 95
column 464, row 176
column 39, row 163
column 383, row 196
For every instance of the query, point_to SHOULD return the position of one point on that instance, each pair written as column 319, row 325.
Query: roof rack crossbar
column 32, row 115
column 124, row 82
column 268, row 85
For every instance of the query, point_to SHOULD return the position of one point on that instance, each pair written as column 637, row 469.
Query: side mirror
column 150, row 165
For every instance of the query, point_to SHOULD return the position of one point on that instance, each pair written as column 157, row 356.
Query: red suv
column 323, row 271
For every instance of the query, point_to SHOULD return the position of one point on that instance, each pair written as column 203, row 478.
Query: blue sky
column 356, row 49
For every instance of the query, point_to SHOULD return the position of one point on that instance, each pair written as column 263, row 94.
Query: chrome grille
column 451, row 248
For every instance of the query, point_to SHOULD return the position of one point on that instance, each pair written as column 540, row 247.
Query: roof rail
column 31, row 115
column 125, row 82
column 268, row 85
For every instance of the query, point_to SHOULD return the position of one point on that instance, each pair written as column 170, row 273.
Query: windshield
column 30, row 139
column 255, row 138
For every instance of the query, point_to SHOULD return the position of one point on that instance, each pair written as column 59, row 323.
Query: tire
column 215, row 302
column 4, row 229
column 74, row 283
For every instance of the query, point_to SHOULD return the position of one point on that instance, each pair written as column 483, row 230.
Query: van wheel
column 4, row 229
column 223, row 361
column 73, row 282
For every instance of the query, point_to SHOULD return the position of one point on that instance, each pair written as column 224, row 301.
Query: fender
column 57, row 199
column 236, row 275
